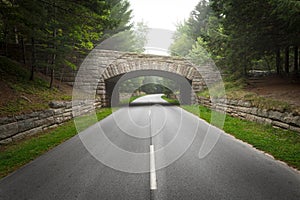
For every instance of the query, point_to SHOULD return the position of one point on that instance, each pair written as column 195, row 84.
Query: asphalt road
column 164, row 136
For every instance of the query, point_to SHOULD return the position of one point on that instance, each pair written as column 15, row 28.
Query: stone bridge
column 102, row 69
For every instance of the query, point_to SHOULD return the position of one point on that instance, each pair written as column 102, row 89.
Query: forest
column 47, row 35
column 239, row 36
column 242, row 35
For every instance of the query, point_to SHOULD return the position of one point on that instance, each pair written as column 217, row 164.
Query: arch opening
column 182, row 87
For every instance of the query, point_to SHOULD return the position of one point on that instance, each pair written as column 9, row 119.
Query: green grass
column 284, row 145
column 171, row 100
column 15, row 155
column 131, row 99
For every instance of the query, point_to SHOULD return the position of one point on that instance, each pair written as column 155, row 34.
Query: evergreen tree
column 59, row 30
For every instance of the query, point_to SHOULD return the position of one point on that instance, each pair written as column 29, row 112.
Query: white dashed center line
column 153, row 184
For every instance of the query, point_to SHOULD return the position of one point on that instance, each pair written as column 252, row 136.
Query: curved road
column 232, row 170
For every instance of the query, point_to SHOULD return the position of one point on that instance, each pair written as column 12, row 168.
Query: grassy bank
column 15, row 155
column 131, row 99
column 236, row 90
column 171, row 101
column 284, row 145
column 24, row 96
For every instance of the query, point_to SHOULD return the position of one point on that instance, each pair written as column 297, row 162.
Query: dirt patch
column 16, row 99
column 6, row 93
column 277, row 88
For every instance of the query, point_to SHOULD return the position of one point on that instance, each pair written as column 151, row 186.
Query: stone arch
column 131, row 63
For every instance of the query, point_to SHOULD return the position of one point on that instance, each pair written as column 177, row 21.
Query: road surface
column 232, row 170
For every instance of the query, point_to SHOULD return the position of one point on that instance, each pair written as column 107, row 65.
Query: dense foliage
column 152, row 88
column 56, row 32
column 149, row 84
column 241, row 35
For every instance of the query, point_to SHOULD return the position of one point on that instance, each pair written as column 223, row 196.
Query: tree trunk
column 278, row 61
column 54, row 52
column 16, row 35
column 5, row 42
column 296, row 59
column 5, row 48
column 52, row 78
column 245, row 63
column 268, row 64
column 287, row 60
column 245, row 70
column 53, row 60
column 32, row 59
column 53, row 64
column 23, row 50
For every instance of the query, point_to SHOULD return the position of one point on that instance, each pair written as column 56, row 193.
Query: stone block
column 69, row 110
column 262, row 113
column 26, row 124
column 19, row 136
column 5, row 141
column 258, row 119
column 8, row 130
column 7, row 120
column 297, row 121
column 67, row 114
column 268, row 121
column 55, row 105
column 68, row 105
column 233, row 102
column 35, row 131
column 288, row 118
column 46, row 114
column 250, row 117
column 254, row 111
column 275, row 115
column 58, row 111
column 27, row 133
column 242, row 115
column 280, row 124
column 50, row 121
column 22, row 117
column 247, row 104
column 34, row 114
column 40, row 122
column 243, row 109
column 59, row 119
column 53, row 126
column 294, row 128
column 67, row 118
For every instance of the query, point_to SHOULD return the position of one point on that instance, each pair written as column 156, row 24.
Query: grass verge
column 284, row 145
column 131, row 99
column 171, row 100
column 15, row 155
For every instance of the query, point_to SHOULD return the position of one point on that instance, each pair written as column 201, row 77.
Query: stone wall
column 17, row 127
column 245, row 110
column 14, row 128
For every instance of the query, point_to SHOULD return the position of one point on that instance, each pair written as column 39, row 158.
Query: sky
column 161, row 16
